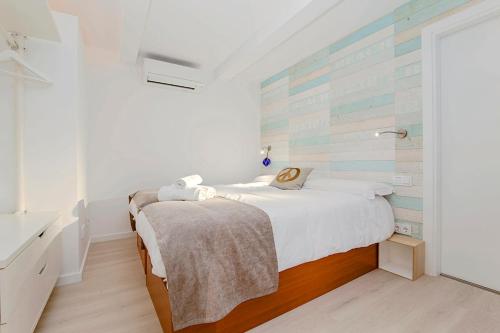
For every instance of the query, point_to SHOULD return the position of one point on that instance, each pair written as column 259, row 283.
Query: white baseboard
column 113, row 236
column 74, row 277
column 69, row 278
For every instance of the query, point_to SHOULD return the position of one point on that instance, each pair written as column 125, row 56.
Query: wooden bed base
column 297, row 285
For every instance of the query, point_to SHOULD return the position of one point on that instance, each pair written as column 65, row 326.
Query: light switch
column 402, row 180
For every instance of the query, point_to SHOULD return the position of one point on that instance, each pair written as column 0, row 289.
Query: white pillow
column 363, row 188
column 264, row 179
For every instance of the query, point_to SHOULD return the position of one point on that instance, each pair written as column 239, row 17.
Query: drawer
column 30, row 303
column 30, row 271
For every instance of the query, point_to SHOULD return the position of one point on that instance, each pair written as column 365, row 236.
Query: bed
column 323, row 239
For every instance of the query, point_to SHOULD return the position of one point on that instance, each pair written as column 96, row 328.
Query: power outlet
column 403, row 228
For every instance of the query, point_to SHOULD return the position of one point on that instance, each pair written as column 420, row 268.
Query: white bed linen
column 133, row 208
column 307, row 224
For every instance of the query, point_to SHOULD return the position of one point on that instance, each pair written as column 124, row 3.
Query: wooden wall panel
column 323, row 111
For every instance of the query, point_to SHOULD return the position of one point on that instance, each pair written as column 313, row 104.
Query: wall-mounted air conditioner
column 168, row 75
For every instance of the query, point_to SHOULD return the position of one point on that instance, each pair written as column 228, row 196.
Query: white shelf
column 11, row 63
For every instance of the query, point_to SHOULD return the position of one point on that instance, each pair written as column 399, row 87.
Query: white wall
column 54, row 138
column 81, row 157
column 8, row 147
column 50, row 148
column 144, row 137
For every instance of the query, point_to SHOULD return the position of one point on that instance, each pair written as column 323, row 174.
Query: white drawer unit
column 30, row 259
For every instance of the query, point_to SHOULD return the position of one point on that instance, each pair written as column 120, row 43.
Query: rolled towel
column 189, row 181
column 196, row 193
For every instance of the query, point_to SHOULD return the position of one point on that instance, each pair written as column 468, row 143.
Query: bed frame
column 297, row 285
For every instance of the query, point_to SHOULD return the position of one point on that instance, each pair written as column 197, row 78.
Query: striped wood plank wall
column 323, row 111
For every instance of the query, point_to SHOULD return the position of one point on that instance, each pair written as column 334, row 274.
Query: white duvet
column 307, row 224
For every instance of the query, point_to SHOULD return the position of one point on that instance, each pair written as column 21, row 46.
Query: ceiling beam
column 270, row 37
column 135, row 16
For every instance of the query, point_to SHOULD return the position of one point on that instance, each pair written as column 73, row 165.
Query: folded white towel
column 195, row 193
column 188, row 181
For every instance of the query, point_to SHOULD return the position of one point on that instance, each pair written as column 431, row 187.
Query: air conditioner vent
column 171, row 85
column 168, row 75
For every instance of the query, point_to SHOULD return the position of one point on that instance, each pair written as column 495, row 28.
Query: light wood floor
column 113, row 298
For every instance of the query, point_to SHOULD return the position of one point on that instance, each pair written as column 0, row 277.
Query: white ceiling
column 101, row 21
column 206, row 33
column 346, row 17
column 224, row 38
column 28, row 17
column 215, row 36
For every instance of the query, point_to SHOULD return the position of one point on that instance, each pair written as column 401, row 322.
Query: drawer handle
column 41, row 235
column 43, row 268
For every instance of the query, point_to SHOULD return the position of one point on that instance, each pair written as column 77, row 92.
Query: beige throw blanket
column 144, row 198
column 217, row 253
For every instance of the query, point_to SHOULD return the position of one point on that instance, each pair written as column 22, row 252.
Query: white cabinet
column 30, row 259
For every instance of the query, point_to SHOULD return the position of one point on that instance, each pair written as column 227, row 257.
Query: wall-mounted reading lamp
column 401, row 133
column 265, row 150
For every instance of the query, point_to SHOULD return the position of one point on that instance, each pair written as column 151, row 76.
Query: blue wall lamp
column 265, row 150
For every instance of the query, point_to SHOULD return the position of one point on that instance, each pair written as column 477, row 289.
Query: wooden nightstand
column 402, row 255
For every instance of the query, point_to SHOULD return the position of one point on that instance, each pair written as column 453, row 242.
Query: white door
column 469, row 152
